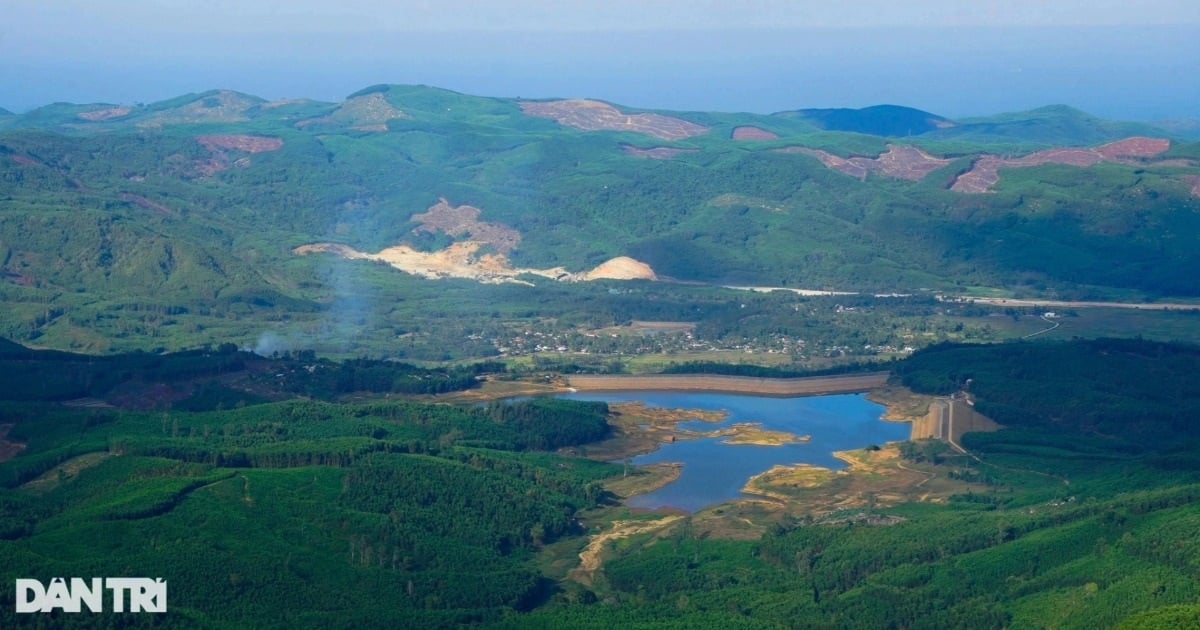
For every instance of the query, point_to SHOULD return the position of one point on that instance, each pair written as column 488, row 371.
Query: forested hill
column 1138, row 392
column 198, row 204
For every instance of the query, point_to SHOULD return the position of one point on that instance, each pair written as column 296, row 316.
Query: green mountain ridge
column 1050, row 125
column 878, row 120
column 195, row 204
column 1057, row 122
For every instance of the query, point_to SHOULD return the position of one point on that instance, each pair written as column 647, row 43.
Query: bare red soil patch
column 1137, row 146
column 8, row 450
column 908, row 162
column 655, row 153
column 1194, row 180
column 209, row 167
column 986, row 171
column 853, row 167
column 464, row 221
column 902, row 161
column 220, row 146
column 592, row 115
column 108, row 113
column 749, row 132
column 241, row 142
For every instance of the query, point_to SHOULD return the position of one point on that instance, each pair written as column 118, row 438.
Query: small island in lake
column 754, row 433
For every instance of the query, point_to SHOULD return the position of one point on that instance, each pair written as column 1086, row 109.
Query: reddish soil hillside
column 239, row 142
column 655, row 153
column 596, row 116
column 220, row 147
column 108, row 113
column 902, row 161
column 464, row 221
column 986, row 171
column 1136, row 146
column 1194, row 181
column 747, row 132
column 854, row 167
column 907, row 162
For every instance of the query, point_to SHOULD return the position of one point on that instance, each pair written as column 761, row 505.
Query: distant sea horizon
column 1135, row 73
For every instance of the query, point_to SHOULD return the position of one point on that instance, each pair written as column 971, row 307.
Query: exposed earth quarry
column 592, row 115
column 464, row 220
column 463, row 260
column 467, row 258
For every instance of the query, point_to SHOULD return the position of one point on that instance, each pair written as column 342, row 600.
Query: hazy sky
column 1120, row 59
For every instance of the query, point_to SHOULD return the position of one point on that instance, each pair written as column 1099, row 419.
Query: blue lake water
column 714, row 472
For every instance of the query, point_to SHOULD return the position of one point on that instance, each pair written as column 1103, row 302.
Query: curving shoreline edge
column 802, row 386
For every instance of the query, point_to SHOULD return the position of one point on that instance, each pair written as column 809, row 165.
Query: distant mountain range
column 1059, row 124
column 212, row 200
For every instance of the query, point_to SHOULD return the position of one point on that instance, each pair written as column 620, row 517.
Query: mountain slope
column 877, row 120
column 1050, row 125
column 196, row 204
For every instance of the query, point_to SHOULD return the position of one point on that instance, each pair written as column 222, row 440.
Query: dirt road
column 589, row 558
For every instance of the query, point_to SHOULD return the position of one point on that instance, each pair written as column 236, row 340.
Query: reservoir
column 714, row 472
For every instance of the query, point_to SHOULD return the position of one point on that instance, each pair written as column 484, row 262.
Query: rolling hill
column 1050, row 125
column 878, row 120
column 194, row 210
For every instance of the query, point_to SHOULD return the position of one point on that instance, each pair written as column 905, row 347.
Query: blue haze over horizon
column 1015, row 55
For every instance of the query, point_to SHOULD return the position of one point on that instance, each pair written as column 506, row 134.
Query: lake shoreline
column 715, row 383
column 769, row 428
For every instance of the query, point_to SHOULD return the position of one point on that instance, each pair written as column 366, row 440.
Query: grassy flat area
column 875, row 478
column 753, row 433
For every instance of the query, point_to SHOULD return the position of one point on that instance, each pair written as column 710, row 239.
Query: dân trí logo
column 144, row 595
